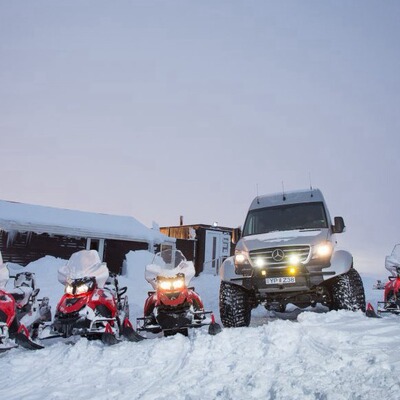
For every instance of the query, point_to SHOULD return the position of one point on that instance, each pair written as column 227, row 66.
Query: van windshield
column 285, row 218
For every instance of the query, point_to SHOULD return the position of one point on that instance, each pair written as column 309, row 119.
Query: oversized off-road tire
column 347, row 292
column 234, row 305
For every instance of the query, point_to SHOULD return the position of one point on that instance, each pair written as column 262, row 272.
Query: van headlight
column 322, row 250
column 243, row 265
column 241, row 258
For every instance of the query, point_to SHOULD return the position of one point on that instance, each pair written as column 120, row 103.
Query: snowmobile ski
column 27, row 343
column 129, row 333
column 370, row 312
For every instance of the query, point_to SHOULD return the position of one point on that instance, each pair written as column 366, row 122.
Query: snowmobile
column 173, row 307
column 22, row 314
column 93, row 305
column 378, row 285
column 391, row 302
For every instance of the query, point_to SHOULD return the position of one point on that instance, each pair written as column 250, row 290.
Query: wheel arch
column 341, row 262
column 227, row 272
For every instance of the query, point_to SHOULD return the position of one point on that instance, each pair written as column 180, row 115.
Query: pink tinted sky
column 161, row 109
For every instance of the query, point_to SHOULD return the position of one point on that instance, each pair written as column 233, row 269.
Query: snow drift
column 325, row 355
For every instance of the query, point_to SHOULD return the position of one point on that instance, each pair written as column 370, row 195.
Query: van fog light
column 292, row 270
column 259, row 262
column 294, row 259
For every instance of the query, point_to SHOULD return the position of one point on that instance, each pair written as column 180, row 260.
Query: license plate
column 281, row 280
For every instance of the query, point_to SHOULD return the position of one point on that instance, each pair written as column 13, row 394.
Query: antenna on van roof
column 283, row 192
column 258, row 200
column 311, row 188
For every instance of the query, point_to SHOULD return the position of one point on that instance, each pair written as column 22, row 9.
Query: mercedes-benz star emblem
column 278, row 255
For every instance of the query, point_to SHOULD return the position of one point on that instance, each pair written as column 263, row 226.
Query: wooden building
column 206, row 245
column 29, row 232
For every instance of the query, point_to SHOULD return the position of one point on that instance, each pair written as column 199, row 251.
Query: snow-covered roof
column 58, row 221
column 292, row 197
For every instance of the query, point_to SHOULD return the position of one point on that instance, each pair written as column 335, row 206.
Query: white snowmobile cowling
column 84, row 263
column 393, row 261
column 4, row 274
column 152, row 271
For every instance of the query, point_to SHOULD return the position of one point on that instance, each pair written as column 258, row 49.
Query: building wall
column 200, row 249
column 181, row 233
column 115, row 251
column 178, row 232
column 23, row 248
column 188, row 248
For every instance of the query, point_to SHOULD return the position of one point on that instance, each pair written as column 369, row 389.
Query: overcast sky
column 158, row 109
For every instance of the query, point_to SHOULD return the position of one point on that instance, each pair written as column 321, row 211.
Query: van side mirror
column 236, row 235
column 339, row 225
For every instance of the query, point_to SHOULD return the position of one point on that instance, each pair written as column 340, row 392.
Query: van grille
column 279, row 256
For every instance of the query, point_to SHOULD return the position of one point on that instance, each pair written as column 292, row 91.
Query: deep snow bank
column 338, row 355
column 335, row 355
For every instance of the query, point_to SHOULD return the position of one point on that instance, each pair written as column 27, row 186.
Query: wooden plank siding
column 25, row 247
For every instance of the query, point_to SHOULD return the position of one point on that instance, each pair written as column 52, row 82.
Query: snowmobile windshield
column 285, row 218
column 169, row 263
column 392, row 262
column 82, row 264
column 4, row 275
column 396, row 253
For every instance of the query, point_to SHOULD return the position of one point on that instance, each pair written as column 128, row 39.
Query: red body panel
column 7, row 305
column 160, row 298
column 91, row 299
column 393, row 286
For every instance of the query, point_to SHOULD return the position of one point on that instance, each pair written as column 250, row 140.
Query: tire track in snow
column 22, row 364
column 180, row 348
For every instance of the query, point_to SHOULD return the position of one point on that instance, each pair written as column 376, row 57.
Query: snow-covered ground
column 318, row 355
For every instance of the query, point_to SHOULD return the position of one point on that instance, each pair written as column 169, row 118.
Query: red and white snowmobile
column 93, row 305
column 391, row 302
column 22, row 314
column 173, row 306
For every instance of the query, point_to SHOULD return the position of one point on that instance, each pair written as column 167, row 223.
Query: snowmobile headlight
column 83, row 288
column 69, row 289
column 323, row 250
column 80, row 286
column 178, row 283
column 165, row 285
column 171, row 283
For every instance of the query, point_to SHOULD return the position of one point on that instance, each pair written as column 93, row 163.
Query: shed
column 206, row 245
column 29, row 232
